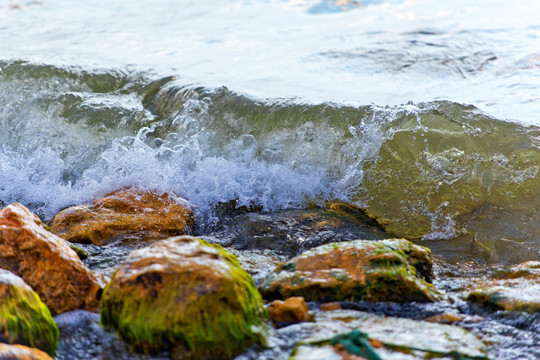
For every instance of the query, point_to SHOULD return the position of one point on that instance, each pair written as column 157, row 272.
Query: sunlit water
column 422, row 112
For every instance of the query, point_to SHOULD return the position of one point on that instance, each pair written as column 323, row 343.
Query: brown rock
column 20, row 352
column 127, row 213
column 292, row 310
column 46, row 262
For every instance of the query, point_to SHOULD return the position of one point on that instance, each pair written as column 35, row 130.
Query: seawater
column 423, row 113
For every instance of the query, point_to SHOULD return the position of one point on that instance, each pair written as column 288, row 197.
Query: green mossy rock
column 24, row 319
column 187, row 296
column 385, row 270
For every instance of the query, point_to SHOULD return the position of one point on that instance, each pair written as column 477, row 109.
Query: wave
column 435, row 170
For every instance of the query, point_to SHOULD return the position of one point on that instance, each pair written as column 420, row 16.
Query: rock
column 257, row 263
column 385, row 270
column 418, row 339
column 46, row 262
column 24, row 319
column 20, row 352
column 517, row 290
column 330, row 306
column 185, row 295
column 292, row 310
column 128, row 214
column 289, row 232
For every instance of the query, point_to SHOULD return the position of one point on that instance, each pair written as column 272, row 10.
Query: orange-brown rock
column 292, row 310
column 20, row 352
column 128, row 213
column 46, row 262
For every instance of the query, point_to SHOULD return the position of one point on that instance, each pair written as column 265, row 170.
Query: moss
column 25, row 320
column 81, row 253
column 208, row 317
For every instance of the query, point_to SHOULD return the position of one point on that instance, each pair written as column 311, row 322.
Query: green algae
column 189, row 312
column 81, row 253
column 25, row 320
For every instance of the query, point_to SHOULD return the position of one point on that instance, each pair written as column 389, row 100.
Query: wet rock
column 385, row 270
column 83, row 338
column 185, row 295
column 258, row 263
column 46, row 262
column 292, row 310
column 20, row 352
column 24, row 319
column 517, row 289
column 289, row 232
column 398, row 336
column 127, row 214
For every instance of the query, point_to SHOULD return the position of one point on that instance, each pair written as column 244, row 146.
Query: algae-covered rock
column 417, row 339
column 24, row 319
column 185, row 295
column 385, row 270
column 128, row 213
column 516, row 290
column 46, row 262
column 20, row 352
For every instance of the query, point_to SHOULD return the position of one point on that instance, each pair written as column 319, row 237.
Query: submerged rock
column 185, row 295
column 20, row 352
column 289, row 232
column 129, row 214
column 385, row 270
column 46, row 262
column 516, row 290
column 292, row 310
column 24, row 319
column 388, row 335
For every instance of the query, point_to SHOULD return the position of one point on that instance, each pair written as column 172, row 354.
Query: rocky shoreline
column 125, row 278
